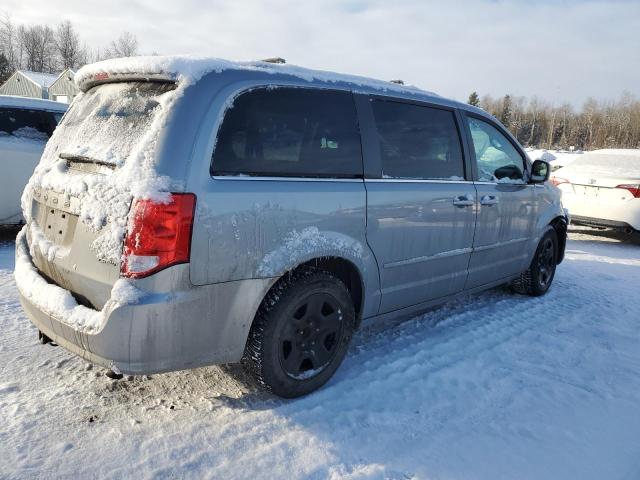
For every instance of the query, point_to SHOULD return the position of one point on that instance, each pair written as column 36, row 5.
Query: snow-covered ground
column 495, row 386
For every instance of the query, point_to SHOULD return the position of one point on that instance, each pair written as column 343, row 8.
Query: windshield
column 108, row 121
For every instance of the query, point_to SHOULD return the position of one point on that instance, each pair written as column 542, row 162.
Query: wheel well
column 347, row 273
column 559, row 224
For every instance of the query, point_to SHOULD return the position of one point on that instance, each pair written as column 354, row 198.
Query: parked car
column 25, row 126
column 193, row 212
column 602, row 189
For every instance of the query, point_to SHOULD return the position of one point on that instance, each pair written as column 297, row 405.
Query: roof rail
column 275, row 60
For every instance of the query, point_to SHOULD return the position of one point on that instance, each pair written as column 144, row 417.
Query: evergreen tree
column 5, row 68
column 474, row 99
column 505, row 115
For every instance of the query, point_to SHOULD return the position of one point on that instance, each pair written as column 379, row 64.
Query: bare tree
column 597, row 125
column 125, row 46
column 8, row 40
column 39, row 47
column 68, row 46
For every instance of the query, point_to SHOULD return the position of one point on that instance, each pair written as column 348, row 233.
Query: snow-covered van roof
column 189, row 69
column 42, row 79
column 32, row 103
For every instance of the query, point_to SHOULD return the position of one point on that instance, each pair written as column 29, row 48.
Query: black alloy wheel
column 311, row 337
column 301, row 333
column 546, row 259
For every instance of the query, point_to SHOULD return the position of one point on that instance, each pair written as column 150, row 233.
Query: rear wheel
column 301, row 333
column 537, row 279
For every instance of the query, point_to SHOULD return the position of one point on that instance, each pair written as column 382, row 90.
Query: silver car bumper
column 175, row 326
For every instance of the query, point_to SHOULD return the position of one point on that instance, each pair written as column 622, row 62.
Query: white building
column 54, row 86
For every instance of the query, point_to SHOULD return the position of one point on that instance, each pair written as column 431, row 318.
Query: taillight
column 634, row 189
column 159, row 235
column 558, row 181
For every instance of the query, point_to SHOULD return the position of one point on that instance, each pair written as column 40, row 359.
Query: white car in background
column 25, row 126
column 557, row 158
column 602, row 189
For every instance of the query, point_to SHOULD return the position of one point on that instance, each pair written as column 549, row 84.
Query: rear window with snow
column 28, row 124
column 107, row 122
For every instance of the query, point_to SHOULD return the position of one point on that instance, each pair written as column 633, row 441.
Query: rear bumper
column 599, row 212
column 602, row 223
column 172, row 326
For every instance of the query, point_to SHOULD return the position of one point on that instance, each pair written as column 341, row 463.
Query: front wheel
column 537, row 279
column 301, row 333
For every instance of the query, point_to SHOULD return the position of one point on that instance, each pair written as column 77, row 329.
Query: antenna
column 398, row 81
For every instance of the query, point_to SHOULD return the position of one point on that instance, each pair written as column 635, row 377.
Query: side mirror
column 540, row 171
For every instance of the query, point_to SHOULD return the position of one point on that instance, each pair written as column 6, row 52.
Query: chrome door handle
column 464, row 200
column 488, row 200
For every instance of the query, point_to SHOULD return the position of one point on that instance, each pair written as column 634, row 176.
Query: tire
column 537, row 279
column 301, row 333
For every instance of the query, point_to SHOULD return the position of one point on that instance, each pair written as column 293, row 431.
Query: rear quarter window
column 288, row 131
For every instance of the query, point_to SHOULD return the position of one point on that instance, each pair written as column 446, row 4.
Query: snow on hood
column 189, row 69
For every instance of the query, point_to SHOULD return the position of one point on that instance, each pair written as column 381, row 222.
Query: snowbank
column 557, row 158
column 545, row 155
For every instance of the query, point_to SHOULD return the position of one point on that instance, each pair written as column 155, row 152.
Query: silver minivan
column 190, row 212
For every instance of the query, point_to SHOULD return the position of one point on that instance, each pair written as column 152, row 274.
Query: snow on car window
column 25, row 135
column 108, row 121
column 30, row 133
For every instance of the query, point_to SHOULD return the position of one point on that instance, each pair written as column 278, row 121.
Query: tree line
column 42, row 48
column 534, row 122
column 539, row 124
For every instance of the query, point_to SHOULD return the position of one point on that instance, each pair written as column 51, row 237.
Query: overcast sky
column 564, row 50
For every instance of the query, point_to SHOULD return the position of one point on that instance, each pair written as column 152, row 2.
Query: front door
column 420, row 209
column 506, row 206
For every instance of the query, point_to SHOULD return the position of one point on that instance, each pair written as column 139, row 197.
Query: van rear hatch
column 100, row 157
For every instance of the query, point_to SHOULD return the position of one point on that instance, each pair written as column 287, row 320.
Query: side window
column 498, row 159
column 290, row 132
column 24, row 124
column 418, row 142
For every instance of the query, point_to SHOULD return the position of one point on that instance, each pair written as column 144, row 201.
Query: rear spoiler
column 111, row 77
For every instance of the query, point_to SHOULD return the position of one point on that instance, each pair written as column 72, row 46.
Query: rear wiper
column 70, row 157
